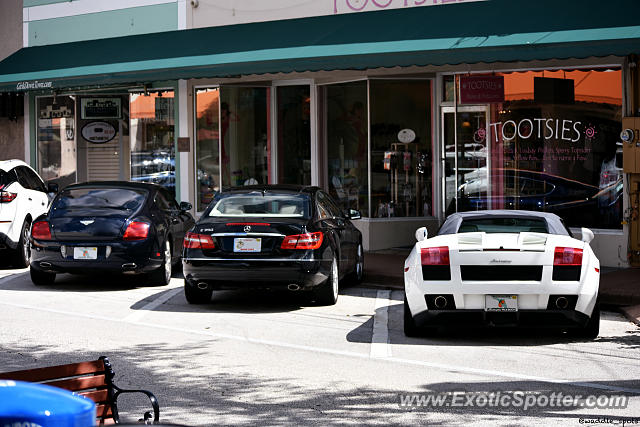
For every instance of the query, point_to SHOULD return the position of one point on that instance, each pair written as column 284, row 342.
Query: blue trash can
column 25, row 404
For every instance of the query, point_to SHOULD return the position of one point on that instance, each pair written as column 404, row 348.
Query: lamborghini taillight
column 567, row 256
column 435, row 256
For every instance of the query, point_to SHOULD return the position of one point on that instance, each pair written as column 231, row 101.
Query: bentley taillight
column 435, row 256
column 136, row 230
column 41, row 230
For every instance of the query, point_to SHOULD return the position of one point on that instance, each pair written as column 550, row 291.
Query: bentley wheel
column 162, row 275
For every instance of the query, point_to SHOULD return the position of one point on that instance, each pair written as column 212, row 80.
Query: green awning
column 486, row 31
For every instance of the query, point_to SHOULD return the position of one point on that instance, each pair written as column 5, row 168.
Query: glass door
column 465, row 158
column 294, row 134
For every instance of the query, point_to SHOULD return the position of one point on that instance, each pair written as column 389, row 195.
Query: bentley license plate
column 500, row 303
column 245, row 244
column 85, row 253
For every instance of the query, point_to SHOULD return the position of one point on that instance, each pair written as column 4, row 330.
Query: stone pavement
column 618, row 287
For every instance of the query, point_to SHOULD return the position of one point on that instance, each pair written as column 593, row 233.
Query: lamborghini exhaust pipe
column 440, row 302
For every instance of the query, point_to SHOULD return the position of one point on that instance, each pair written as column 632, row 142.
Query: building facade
column 403, row 109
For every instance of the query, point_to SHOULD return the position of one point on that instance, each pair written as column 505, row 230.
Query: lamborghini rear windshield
column 503, row 225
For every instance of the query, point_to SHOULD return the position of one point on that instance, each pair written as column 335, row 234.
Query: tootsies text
column 547, row 128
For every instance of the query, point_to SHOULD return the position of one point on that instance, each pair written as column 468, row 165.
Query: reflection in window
column 294, row 135
column 400, row 172
column 152, row 139
column 347, row 141
column 244, row 128
column 56, row 139
column 207, row 146
column 556, row 146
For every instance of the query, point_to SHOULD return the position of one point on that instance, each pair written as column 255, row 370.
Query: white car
column 502, row 268
column 23, row 198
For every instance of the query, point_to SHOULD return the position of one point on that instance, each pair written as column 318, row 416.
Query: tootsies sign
column 541, row 128
column 342, row 6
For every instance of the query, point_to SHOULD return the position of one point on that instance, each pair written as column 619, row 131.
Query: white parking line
column 138, row 315
column 380, row 347
column 451, row 368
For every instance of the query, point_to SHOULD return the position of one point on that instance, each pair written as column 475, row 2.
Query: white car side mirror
column 587, row 235
column 421, row 234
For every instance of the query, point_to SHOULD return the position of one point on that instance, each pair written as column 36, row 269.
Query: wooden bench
column 93, row 379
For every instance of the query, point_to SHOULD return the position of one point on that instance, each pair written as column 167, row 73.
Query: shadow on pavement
column 206, row 395
column 473, row 336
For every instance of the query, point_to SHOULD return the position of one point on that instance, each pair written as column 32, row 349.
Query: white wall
column 212, row 13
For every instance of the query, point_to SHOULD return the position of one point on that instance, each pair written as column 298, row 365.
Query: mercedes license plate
column 245, row 244
column 501, row 303
column 85, row 253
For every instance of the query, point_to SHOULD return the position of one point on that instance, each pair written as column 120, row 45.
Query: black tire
column 327, row 293
column 355, row 277
column 195, row 295
column 41, row 278
column 22, row 254
column 162, row 275
column 592, row 328
column 410, row 327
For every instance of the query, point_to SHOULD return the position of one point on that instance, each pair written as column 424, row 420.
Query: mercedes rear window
column 503, row 225
column 101, row 198
column 259, row 204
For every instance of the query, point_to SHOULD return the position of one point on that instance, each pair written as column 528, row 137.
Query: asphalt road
column 272, row 359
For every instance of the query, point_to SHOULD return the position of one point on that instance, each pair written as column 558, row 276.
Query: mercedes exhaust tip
column 440, row 302
column 202, row 286
column 293, row 287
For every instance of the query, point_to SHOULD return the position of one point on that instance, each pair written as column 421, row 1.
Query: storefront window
column 401, row 148
column 347, row 144
column 152, row 138
column 207, row 145
column 294, row 135
column 56, row 139
column 245, row 131
column 555, row 147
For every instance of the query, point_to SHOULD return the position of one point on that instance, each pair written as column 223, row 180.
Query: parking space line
column 411, row 362
column 380, row 347
column 161, row 299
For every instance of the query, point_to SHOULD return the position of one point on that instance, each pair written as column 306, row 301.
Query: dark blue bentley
column 119, row 227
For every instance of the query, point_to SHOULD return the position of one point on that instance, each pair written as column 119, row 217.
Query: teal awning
column 486, row 31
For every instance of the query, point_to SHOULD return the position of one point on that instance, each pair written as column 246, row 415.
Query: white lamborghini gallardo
column 502, row 268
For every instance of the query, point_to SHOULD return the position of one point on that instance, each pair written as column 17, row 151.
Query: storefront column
column 26, row 124
column 315, row 153
column 183, row 132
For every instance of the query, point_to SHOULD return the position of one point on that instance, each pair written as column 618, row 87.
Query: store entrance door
column 465, row 158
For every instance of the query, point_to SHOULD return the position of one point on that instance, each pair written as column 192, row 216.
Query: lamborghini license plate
column 500, row 303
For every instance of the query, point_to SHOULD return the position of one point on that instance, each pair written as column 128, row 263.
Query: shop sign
column 98, row 132
column 101, row 108
column 35, row 85
column 340, row 6
column 542, row 127
column 481, row 89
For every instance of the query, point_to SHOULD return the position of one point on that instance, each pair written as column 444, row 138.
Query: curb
column 632, row 313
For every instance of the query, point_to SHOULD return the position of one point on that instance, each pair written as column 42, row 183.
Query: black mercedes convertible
column 273, row 236
column 117, row 227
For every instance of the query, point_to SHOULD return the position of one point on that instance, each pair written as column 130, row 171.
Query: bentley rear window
column 101, row 198
column 260, row 204
column 503, row 225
